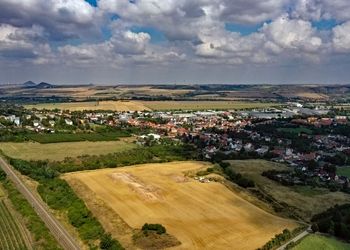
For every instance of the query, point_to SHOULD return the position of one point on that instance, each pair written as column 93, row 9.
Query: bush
column 334, row 221
column 108, row 243
column 158, row 228
column 238, row 178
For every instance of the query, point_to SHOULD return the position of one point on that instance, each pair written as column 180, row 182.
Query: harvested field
column 102, row 105
column 204, row 105
column 314, row 96
column 199, row 215
column 59, row 151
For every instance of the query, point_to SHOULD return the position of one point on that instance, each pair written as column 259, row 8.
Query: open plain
column 199, row 215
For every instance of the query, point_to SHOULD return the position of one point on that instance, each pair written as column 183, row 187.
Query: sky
column 175, row 41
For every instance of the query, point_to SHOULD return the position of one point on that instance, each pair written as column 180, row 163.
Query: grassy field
column 152, row 105
column 319, row 242
column 13, row 235
column 61, row 137
column 59, row 151
column 199, row 215
column 304, row 201
column 345, row 171
column 102, row 105
column 203, row 105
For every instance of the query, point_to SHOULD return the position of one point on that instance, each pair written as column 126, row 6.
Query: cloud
column 61, row 19
column 19, row 42
column 251, row 11
column 321, row 9
column 289, row 34
column 129, row 43
column 75, row 34
column 341, row 38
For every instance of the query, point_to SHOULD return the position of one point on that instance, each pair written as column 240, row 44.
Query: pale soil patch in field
column 310, row 95
column 204, row 105
column 102, row 105
column 200, row 215
column 59, row 151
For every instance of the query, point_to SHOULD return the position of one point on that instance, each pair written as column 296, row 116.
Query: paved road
column 60, row 233
column 295, row 239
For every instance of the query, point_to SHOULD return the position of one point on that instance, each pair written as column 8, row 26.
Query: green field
column 54, row 138
column 12, row 233
column 59, row 151
column 205, row 105
column 319, row 242
column 301, row 201
column 345, row 171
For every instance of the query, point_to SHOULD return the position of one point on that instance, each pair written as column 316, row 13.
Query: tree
column 108, row 243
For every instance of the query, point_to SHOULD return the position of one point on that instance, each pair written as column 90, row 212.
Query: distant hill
column 45, row 85
column 42, row 85
column 29, row 84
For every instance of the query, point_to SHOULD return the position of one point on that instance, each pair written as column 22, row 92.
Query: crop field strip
column 153, row 105
column 59, row 151
column 12, row 235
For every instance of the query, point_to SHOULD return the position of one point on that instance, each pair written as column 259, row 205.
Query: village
column 314, row 142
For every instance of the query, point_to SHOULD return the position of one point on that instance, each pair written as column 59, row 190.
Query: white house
column 68, row 122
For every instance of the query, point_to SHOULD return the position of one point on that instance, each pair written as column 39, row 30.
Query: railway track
column 58, row 231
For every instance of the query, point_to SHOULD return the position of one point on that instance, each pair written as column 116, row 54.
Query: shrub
column 158, row 228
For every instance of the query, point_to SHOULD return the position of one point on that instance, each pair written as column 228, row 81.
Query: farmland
column 102, row 105
column 301, row 200
column 152, row 105
column 203, row 105
column 59, row 151
column 13, row 235
column 65, row 137
column 199, row 215
column 321, row 243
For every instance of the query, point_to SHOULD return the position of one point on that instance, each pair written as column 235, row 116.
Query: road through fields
column 59, row 232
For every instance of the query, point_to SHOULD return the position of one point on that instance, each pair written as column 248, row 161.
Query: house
column 17, row 121
column 151, row 136
column 248, row 147
column 52, row 123
column 263, row 150
column 36, row 123
column 68, row 122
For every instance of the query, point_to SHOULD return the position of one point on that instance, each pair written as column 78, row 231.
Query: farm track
column 58, row 231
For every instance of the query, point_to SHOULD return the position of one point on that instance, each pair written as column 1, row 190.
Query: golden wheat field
column 102, row 105
column 199, row 215
column 152, row 105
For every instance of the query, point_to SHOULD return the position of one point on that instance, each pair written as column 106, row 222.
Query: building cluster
column 273, row 133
